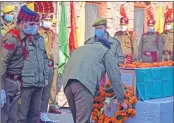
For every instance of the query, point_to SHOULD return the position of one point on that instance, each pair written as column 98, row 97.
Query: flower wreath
column 101, row 102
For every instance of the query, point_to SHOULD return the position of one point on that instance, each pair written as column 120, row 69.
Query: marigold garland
column 120, row 116
column 148, row 65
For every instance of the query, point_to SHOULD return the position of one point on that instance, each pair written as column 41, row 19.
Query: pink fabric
column 103, row 81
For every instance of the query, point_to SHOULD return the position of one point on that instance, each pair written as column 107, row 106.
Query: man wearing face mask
column 8, row 19
column 13, row 53
column 50, row 90
column 167, row 36
column 150, row 46
column 127, row 38
column 103, row 36
column 35, row 71
column 86, row 67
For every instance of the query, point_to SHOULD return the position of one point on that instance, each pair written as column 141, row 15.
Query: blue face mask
column 8, row 18
column 99, row 33
column 32, row 30
column 150, row 29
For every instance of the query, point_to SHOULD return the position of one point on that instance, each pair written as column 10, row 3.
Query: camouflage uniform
column 12, row 61
column 168, row 44
column 150, row 48
column 128, row 44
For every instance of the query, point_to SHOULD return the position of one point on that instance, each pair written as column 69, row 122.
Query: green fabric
column 89, row 63
column 63, row 50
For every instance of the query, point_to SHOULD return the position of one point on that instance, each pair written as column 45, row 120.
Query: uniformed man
column 12, row 55
column 49, row 37
column 127, row 39
column 35, row 71
column 86, row 67
column 8, row 20
column 101, row 23
column 167, row 36
column 150, row 46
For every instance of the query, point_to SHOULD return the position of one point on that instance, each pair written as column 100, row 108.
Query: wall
column 111, row 12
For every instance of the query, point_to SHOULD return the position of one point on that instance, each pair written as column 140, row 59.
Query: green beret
column 100, row 21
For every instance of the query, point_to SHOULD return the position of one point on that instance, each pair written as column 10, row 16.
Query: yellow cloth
column 54, row 21
column 8, row 8
column 81, row 27
column 159, row 22
column 30, row 6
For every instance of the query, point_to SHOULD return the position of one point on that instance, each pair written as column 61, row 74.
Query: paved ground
column 65, row 117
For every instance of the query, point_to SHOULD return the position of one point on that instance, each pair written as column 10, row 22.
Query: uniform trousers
column 29, row 108
column 80, row 101
column 9, row 110
column 46, row 92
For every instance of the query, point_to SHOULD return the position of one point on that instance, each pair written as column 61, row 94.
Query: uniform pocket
column 29, row 77
column 42, row 50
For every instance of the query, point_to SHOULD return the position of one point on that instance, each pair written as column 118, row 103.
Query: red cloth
column 128, row 59
column 73, row 34
column 154, row 56
column 8, row 46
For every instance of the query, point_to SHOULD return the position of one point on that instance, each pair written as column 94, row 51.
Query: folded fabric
column 154, row 111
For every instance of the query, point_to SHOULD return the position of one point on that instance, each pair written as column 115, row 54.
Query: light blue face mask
column 99, row 33
column 8, row 18
column 32, row 30
column 150, row 29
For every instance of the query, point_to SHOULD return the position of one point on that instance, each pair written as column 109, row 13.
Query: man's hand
column 124, row 106
column 46, row 82
column 3, row 97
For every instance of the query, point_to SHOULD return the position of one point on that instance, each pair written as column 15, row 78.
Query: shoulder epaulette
column 14, row 32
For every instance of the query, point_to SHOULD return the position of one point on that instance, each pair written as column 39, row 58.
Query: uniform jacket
column 35, row 70
column 128, row 43
column 168, row 44
column 150, row 43
column 89, row 63
column 11, row 55
column 115, row 46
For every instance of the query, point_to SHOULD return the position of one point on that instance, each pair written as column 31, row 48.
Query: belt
column 165, row 52
column 128, row 58
column 149, row 53
column 13, row 76
column 50, row 63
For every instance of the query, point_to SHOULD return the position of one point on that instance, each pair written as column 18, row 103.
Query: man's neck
column 45, row 29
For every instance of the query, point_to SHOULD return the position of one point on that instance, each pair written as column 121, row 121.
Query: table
column 150, row 83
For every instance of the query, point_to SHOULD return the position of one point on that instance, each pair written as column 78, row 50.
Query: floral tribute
column 102, row 101
column 148, row 65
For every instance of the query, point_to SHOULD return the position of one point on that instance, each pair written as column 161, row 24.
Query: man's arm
column 113, row 71
column 46, row 68
column 160, row 46
column 7, row 49
column 134, row 46
column 119, row 51
column 140, row 50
